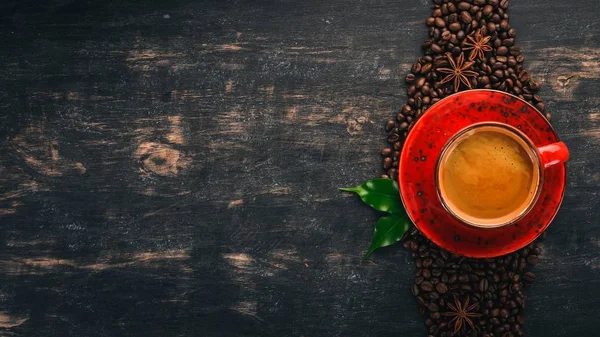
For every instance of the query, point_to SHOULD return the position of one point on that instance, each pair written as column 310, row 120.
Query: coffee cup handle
column 553, row 154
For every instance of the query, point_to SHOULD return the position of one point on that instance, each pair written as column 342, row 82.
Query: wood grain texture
column 170, row 168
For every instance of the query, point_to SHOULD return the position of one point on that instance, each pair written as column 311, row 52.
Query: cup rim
column 537, row 158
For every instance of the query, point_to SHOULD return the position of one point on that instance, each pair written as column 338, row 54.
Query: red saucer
column 417, row 171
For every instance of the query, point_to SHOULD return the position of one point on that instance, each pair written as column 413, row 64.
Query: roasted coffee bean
column 386, row 152
column 497, row 43
column 426, row 286
column 387, row 163
column 452, row 18
column 483, row 285
column 509, row 83
column 426, row 273
column 519, row 68
column 416, row 67
column 529, row 276
column 415, row 290
column 464, row 6
column 439, row 22
column 487, row 10
column 411, row 90
column 524, row 76
column 446, row 35
column 426, row 68
column 465, row 17
column 451, row 7
column 455, row 27
column 426, row 90
column 456, row 51
column 435, row 48
column 533, row 259
column 389, row 126
column 441, row 288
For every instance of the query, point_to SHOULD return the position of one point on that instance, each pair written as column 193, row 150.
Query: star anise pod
column 461, row 313
column 478, row 44
column 458, row 71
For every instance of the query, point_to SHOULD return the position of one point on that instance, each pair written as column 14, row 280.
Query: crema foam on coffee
column 488, row 176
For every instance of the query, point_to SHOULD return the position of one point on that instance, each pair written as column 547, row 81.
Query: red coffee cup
column 435, row 131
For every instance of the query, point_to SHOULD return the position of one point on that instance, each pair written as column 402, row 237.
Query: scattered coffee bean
column 441, row 288
column 532, row 259
column 426, row 286
column 529, row 276
column 439, row 22
column 455, row 27
column 483, row 285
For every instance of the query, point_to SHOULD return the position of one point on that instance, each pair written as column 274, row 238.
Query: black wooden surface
column 169, row 168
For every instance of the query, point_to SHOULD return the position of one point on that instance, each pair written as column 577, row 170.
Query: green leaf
column 381, row 194
column 389, row 230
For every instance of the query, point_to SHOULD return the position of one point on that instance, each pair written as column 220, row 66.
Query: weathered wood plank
column 171, row 168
